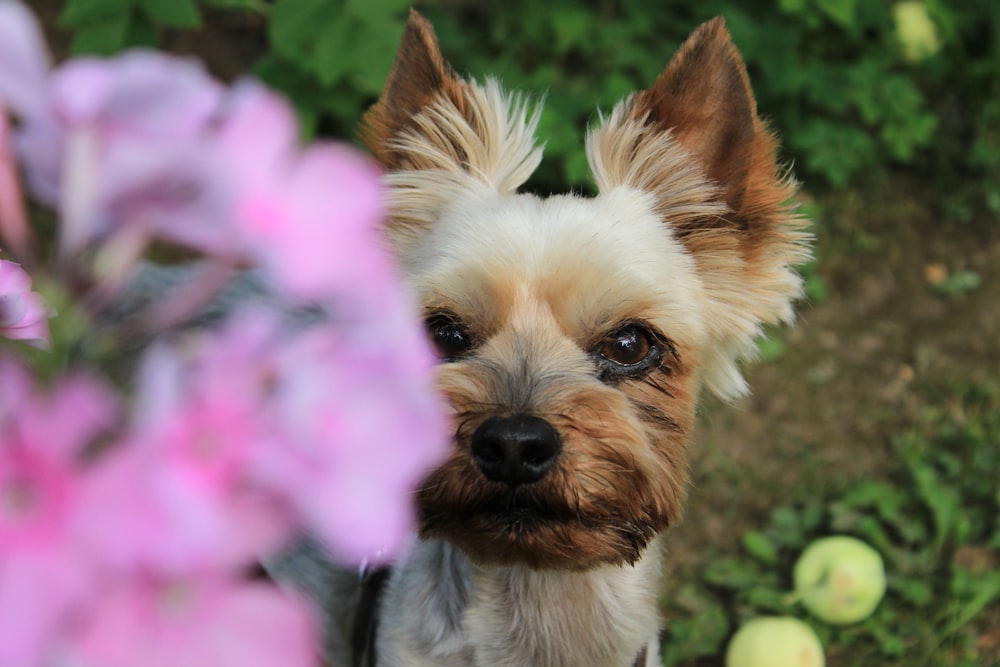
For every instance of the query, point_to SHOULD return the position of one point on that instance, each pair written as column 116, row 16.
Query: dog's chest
column 439, row 609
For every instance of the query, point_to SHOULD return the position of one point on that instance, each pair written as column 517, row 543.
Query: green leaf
column 142, row 32
column 296, row 25
column 959, row 282
column 915, row 590
column 792, row 6
column 83, row 12
column 770, row 349
column 732, row 573
column 334, row 54
column 249, row 5
column 377, row 11
column 172, row 13
column 842, row 12
column 941, row 500
column 103, row 37
column 760, row 547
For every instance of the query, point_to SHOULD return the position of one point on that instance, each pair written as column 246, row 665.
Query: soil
column 856, row 368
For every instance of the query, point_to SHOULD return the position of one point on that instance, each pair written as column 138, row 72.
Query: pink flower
column 177, row 498
column 25, row 59
column 308, row 217
column 359, row 428
column 23, row 315
column 195, row 621
column 44, row 572
column 115, row 142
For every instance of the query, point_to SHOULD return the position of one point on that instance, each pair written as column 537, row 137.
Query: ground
column 854, row 366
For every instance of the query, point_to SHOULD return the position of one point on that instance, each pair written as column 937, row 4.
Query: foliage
column 935, row 521
column 850, row 97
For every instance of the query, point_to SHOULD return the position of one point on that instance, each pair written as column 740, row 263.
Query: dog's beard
column 618, row 481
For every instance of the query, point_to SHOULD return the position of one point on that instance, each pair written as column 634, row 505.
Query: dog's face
column 575, row 333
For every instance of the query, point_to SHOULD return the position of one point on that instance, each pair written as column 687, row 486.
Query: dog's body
column 576, row 334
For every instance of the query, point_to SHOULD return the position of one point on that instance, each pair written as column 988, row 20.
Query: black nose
column 515, row 450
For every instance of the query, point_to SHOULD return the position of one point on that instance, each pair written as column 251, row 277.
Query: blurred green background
column 879, row 414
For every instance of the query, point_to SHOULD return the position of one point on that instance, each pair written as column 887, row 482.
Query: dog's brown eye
column 450, row 340
column 628, row 346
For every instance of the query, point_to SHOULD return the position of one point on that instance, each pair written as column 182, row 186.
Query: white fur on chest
column 439, row 609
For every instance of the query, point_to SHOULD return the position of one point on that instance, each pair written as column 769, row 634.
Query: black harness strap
column 366, row 619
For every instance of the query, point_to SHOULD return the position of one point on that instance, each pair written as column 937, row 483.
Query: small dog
column 575, row 336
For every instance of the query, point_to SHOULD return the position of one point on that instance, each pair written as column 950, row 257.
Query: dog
column 575, row 336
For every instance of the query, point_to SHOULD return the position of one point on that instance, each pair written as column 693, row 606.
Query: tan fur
column 691, row 238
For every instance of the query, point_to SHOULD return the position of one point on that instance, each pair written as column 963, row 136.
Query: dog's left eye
column 628, row 346
column 450, row 340
column 627, row 352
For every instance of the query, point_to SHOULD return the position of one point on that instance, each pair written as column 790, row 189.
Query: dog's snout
column 515, row 450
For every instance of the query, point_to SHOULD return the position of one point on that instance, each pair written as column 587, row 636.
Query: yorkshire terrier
column 575, row 335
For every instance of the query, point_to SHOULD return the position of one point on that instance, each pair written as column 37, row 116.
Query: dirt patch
column 856, row 369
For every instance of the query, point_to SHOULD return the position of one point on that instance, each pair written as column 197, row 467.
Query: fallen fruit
column 840, row 579
column 775, row 641
column 917, row 33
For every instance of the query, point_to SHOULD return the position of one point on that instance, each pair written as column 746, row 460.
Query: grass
column 934, row 517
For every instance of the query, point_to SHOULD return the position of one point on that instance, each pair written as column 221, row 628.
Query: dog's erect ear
column 704, row 98
column 695, row 142
column 419, row 77
column 428, row 118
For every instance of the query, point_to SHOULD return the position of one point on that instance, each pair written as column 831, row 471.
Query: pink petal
column 14, row 230
column 258, row 136
column 39, row 587
column 330, row 242
column 197, row 622
column 77, row 409
column 23, row 315
column 142, row 93
column 24, row 60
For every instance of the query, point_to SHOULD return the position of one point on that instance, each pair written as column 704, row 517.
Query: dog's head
column 576, row 332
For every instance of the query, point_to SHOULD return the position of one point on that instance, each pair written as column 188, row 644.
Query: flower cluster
column 129, row 518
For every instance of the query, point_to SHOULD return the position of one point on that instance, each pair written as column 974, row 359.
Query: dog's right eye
column 450, row 340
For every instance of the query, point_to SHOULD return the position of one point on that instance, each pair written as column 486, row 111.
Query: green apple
column 917, row 32
column 840, row 579
column 775, row 641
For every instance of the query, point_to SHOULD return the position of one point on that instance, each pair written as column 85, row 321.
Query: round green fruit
column 775, row 641
column 840, row 579
column 917, row 33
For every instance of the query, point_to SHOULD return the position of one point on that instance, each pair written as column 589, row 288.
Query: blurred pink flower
column 24, row 57
column 359, row 430
column 177, row 498
column 116, row 142
column 308, row 216
column 23, row 315
column 195, row 621
column 44, row 572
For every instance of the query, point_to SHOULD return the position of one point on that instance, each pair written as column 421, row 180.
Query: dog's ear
column 428, row 118
column 419, row 78
column 704, row 98
column 695, row 142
